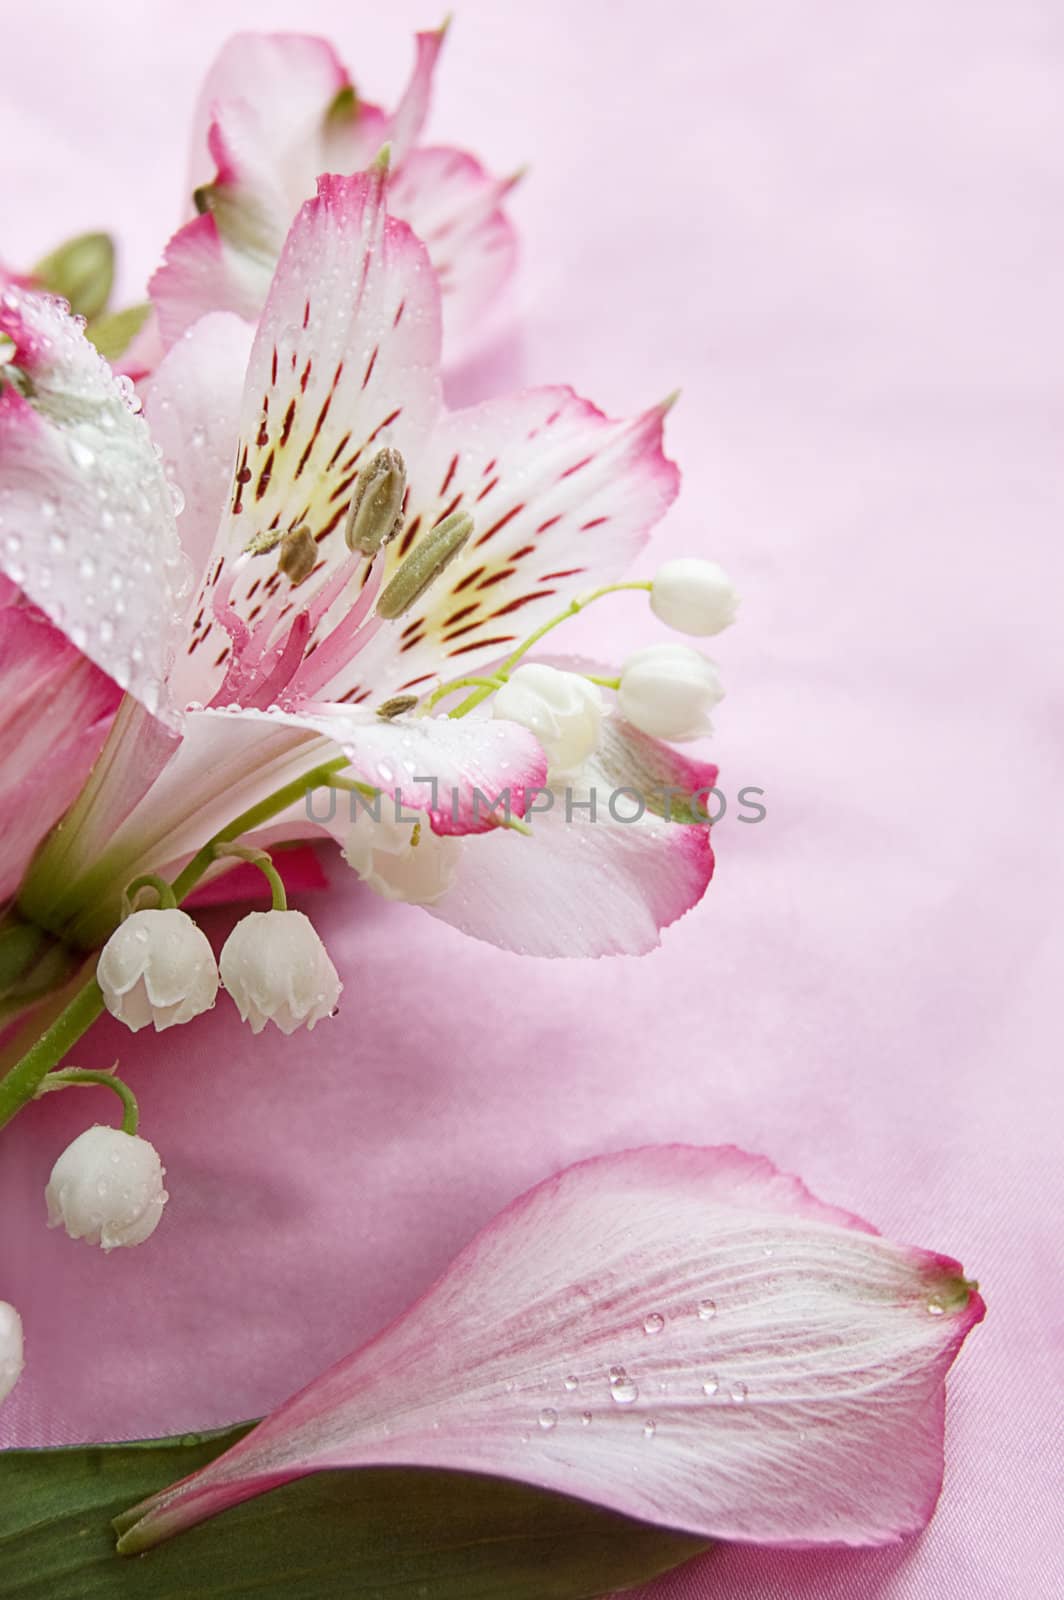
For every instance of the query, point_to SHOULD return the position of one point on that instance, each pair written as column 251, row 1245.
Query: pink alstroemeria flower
column 684, row 1335
column 249, row 681
column 276, row 111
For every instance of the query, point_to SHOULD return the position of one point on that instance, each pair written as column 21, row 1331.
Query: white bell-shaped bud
column 277, row 970
column 693, row 596
column 563, row 710
column 107, row 1188
column 11, row 1359
column 668, row 690
column 157, row 967
column 402, row 860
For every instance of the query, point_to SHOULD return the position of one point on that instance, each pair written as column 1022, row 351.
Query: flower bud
column 693, row 596
column 277, row 970
column 158, row 967
column 562, row 709
column 668, row 690
column 107, row 1188
column 402, row 860
column 11, row 1362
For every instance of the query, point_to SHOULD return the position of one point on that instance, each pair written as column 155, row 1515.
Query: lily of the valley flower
column 157, row 967
column 668, row 691
column 12, row 1358
column 107, row 1188
column 563, row 709
column 277, row 970
column 276, row 111
column 267, row 671
column 687, row 1336
column 402, row 860
column 693, row 596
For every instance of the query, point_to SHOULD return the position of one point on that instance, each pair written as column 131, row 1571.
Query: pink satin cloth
column 839, row 227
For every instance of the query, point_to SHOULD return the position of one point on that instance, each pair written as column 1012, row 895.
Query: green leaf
column 374, row 1534
column 113, row 333
column 81, row 270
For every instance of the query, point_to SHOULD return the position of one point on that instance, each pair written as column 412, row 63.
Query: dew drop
column 711, row 1385
column 623, row 1390
column 80, row 454
column 548, row 1418
column 650, row 1428
column 572, row 1383
column 585, row 1419
column 935, row 1306
column 707, row 1310
column 738, row 1393
column 653, row 1323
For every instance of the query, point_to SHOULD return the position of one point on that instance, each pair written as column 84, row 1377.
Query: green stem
column 151, row 880
column 74, row 1076
column 571, row 610
column 25, row 1077
column 604, row 683
column 445, row 689
column 260, row 859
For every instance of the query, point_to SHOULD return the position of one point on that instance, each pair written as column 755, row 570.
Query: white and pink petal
column 192, row 406
column 87, row 527
column 55, row 708
column 344, row 363
column 562, row 499
column 684, row 1335
column 456, row 209
column 614, row 856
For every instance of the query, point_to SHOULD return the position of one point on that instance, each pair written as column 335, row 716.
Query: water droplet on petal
column 935, row 1306
column 650, row 1428
column 711, row 1385
column 707, row 1310
column 548, row 1418
column 738, row 1393
column 572, row 1383
column 654, row 1323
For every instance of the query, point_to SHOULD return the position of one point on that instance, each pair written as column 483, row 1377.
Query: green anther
column 376, row 513
column 436, row 550
column 299, row 555
column 260, row 544
column 396, row 706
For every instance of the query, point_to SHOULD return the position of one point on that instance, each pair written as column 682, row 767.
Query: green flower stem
column 260, row 859
column 445, row 689
column 571, row 610
column 25, row 1077
column 151, row 880
column 71, row 1077
column 603, row 683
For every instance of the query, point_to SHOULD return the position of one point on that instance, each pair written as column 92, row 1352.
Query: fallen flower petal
column 684, row 1335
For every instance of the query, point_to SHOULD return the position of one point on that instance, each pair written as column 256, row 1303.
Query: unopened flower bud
column 402, row 860
column 299, row 554
column 158, row 967
column 11, row 1361
column 562, row 709
column 693, row 596
column 277, row 970
column 668, row 690
column 107, row 1188
column 433, row 551
column 377, row 503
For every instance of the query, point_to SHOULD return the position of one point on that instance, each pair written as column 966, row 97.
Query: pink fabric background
column 839, row 227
